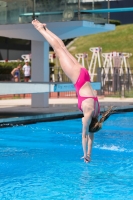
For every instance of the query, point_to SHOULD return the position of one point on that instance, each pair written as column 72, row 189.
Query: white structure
column 95, row 61
column 107, row 61
column 51, row 57
column 116, row 59
column 26, row 57
column 82, row 57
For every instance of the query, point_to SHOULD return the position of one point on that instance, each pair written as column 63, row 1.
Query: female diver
column 87, row 100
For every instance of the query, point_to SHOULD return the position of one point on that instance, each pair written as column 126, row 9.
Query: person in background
column 16, row 73
column 27, row 72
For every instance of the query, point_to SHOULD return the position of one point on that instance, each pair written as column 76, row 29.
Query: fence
column 5, row 77
column 116, row 84
column 113, row 84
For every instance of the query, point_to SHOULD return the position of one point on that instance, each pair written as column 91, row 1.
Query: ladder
column 82, row 57
column 96, row 58
column 116, row 59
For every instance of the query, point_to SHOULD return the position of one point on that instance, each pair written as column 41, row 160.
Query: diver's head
column 95, row 125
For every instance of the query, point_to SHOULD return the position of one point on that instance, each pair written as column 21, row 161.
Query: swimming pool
column 42, row 161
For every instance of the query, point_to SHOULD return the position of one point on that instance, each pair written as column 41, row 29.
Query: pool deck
column 19, row 111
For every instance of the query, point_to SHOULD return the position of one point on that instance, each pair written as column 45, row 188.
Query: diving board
column 33, row 87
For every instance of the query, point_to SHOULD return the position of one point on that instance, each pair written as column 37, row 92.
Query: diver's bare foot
column 39, row 26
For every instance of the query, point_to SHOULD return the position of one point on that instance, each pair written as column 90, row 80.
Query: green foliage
column 129, row 94
column 116, row 22
column 7, row 67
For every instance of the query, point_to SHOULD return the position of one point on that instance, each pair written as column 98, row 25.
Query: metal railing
column 117, row 85
column 12, row 12
column 5, row 77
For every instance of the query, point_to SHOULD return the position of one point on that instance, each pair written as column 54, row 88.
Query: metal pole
column 123, row 92
column 78, row 9
column 34, row 3
column 108, row 12
column 93, row 7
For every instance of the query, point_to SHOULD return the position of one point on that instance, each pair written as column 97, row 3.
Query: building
column 10, row 12
column 124, row 17
column 57, row 10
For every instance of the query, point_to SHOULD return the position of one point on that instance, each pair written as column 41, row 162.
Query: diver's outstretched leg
column 63, row 46
column 68, row 63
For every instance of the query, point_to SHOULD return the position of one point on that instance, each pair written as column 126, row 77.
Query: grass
column 120, row 40
column 129, row 94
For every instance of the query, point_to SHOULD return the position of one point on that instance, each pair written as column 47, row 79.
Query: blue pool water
column 42, row 161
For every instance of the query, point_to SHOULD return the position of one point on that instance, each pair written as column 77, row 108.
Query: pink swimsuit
column 82, row 79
